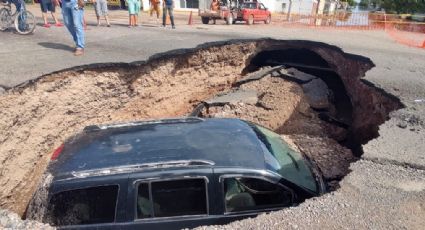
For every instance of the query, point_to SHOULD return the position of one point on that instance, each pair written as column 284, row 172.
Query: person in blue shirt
column 18, row 4
column 168, row 5
column 72, row 14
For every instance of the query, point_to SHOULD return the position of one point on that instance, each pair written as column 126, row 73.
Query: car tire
column 250, row 20
column 230, row 19
column 205, row 20
column 268, row 20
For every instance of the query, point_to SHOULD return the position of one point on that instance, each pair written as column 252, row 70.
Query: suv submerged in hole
column 171, row 174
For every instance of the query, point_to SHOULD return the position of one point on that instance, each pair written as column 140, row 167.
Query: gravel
column 11, row 220
column 373, row 196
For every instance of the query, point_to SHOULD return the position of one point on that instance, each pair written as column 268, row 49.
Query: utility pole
column 288, row 16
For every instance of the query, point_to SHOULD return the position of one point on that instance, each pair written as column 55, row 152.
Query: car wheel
column 205, row 20
column 229, row 19
column 250, row 20
column 268, row 20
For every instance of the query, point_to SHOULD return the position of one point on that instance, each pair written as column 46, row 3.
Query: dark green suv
column 170, row 174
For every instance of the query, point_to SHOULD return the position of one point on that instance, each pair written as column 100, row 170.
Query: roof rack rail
column 139, row 167
column 91, row 128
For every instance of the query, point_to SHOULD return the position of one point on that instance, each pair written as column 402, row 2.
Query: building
column 302, row 6
column 278, row 6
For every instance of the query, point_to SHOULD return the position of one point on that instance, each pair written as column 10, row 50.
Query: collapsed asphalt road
column 119, row 93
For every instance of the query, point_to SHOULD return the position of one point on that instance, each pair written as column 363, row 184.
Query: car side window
column 92, row 205
column 172, row 198
column 248, row 194
column 262, row 7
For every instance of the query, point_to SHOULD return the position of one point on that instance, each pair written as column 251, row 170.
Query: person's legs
column 164, row 15
column 107, row 21
column 170, row 11
column 97, row 11
column 157, row 10
column 45, row 19
column 77, row 16
column 67, row 19
column 55, row 19
column 104, row 10
column 43, row 7
column 53, row 12
column 131, row 11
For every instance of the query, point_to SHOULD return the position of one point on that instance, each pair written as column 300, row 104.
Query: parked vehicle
column 233, row 10
column 251, row 12
column 169, row 174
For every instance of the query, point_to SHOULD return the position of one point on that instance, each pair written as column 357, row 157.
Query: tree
column 350, row 2
column 396, row 6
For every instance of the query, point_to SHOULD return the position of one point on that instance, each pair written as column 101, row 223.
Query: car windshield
column 290, row 164
column 248, row 6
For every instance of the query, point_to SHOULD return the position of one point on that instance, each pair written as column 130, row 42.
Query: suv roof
column 122, row 148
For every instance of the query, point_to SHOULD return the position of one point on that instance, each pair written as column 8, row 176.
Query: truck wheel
column 250, row 20
column 229, row 19
column 268, row 20
column 205, row 20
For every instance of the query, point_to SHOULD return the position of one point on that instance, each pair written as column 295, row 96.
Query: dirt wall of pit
column 38, row 116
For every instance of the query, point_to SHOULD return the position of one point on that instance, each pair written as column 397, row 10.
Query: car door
column 252, row 192
column 172, row 199
column 262, row 12
column 88, row 202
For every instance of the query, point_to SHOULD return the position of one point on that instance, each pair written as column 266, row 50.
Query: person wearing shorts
column 101, row 9
column 48, row 5
column 155, row 8
column 133, row 11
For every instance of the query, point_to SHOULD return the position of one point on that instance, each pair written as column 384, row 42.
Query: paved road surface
column 385, row 190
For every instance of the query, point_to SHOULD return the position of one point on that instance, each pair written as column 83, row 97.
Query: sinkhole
column 310, row 93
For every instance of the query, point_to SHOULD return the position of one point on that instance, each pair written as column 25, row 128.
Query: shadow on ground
column 57, row 46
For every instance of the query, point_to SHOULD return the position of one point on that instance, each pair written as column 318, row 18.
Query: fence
column 404, row 31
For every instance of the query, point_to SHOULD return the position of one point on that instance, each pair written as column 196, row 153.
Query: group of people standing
column 73, row 15
column 73, row 18
column 167, row 7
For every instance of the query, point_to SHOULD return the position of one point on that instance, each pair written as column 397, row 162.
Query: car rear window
column 172, row 198
column 84, row 206
column 249, row 5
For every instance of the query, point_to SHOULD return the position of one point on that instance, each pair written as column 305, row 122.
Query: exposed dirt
column 39, row 116
column 282, row 107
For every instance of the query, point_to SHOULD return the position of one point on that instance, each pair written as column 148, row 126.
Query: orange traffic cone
column 423, row 45
column 190, row 22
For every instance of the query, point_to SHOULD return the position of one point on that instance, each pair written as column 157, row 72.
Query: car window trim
column 85, row 187
column 149, row 182
column 225, row 176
